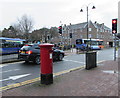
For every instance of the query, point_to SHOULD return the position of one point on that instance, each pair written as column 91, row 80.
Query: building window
column 90, row 35
column 97, row 30
column 97, row 35
column 80, row 30
column 90, row 29
column 81, row 36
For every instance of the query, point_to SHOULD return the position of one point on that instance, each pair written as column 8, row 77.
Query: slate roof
column 84, row 24
column 76, row 26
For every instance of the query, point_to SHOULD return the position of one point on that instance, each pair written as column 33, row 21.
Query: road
column 9, row 58
column 17, row 72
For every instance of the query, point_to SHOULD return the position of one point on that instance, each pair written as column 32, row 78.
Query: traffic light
column 70, row 35
column 114, row 26
column 60, row 29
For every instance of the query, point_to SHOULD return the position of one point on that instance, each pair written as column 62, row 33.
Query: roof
column 84, row 24
column 76, row 26
column 99, row 26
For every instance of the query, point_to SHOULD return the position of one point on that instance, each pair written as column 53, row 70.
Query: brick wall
column 96, row 31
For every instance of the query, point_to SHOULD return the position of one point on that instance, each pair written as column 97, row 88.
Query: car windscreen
column 26, row 47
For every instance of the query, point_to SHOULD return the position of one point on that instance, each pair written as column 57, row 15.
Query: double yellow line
column 36, row 79
column 19, row 84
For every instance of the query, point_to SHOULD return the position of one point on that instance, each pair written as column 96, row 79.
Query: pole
column 67, row 38
column 61, row 37
column 115, row 47
column 61, row 42
column 87, row 28
column 71, row 44
column 87, row 22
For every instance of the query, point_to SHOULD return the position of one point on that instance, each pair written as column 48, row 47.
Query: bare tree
column 44, row 34
column 10, row 32
column 54, row 32
column 24, row 26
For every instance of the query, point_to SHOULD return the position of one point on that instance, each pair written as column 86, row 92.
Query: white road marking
column 74, row 61
column 113, row 55
column 3, row 65
column 9, row 70
column 15, row 77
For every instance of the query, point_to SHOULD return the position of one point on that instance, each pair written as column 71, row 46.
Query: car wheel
column 60, row 57
column 37, row 60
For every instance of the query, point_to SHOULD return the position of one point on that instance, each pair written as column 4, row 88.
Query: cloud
column 51, row 12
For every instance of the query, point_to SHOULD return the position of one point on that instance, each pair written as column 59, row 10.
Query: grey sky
column 47, row 13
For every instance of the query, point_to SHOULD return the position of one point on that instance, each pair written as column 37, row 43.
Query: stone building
column 95, row 31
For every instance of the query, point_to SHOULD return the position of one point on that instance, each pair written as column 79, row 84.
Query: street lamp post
column 87, row 7
column 91, row 61
column 87, row 22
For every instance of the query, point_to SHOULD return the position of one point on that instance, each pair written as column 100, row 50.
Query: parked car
column 31, row 52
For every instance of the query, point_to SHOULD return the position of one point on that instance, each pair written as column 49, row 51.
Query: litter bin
column 91, row 60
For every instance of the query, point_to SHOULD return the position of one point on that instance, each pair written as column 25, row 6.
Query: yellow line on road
column 38, row 79
column 34, row 80
column 19, row 84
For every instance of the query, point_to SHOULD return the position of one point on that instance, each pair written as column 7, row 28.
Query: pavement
column 99, row 81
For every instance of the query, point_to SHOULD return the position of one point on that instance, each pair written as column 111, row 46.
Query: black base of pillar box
column 46, row 79
column 91, row 60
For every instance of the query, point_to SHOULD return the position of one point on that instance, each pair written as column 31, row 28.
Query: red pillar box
column 46, row 63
